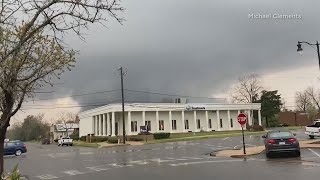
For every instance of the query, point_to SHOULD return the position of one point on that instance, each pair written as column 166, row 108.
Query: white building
column 164, row 117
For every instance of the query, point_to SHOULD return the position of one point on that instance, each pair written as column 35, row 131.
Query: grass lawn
column 296, row 127
column 85, row 144
column 203, row 135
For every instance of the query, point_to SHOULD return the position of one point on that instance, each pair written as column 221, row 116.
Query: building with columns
column 164, row 117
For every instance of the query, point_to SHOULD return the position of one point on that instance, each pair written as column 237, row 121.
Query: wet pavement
column 187, row 160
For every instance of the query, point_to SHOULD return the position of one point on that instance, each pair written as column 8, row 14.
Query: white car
column 65, row 141
column 313, row 130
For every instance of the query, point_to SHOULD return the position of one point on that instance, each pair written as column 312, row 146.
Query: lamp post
column 300, row 50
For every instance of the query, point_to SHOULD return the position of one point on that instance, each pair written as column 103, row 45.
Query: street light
column 300, row 50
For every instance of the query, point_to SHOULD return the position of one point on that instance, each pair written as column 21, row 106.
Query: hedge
column 161, row 135
column 83, row 138
column 99, row 139
column 113, row 140
column 135, row 139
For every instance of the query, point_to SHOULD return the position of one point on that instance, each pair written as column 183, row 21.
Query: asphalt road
column 179, row 160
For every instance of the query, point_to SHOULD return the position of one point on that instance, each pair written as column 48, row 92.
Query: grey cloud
column 189, row 47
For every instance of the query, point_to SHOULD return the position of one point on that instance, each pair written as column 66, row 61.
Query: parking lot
column 187, row 160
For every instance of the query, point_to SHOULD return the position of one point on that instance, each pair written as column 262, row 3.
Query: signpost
column 242, row 120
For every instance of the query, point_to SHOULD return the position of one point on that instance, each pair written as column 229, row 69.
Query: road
column 179, row 160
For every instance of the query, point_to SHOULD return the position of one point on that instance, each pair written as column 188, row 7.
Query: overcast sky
column 189, row 47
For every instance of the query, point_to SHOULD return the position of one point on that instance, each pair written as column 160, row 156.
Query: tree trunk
column 267, row 124
column 2, row 137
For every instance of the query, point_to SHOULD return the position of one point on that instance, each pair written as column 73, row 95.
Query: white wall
column 164, row 115
column 176, row 115
column 151, row 116
column 86, row 126
column 136, row 116
column 188, row 115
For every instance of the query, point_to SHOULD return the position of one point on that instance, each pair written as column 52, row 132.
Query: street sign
column 242, row 119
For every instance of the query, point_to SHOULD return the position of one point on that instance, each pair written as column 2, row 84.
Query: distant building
column 292, row 118
column 164, row 117
column 62, row 130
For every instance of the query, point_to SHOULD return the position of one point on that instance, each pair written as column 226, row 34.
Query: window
column 231, row 122
column 186, row 124
column 148, row 125
column 174, row 124
column 221, row 125
column 161, row 125
column 134, row 126
column 210, row 124
column 198, row 124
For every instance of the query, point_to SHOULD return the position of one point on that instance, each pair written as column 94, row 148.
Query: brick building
column 292, row 118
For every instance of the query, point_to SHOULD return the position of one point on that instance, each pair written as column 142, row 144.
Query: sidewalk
column 259, row 149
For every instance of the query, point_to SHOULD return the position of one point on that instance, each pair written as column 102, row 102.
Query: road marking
column 47, row 176
column 97, row 168
column 225, row 138
column 203, row 162
column 120, row 165
column 314, row 152
column 86, row 153
column 73, row 172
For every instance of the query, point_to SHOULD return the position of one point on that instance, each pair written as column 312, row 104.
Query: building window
column 231, row 122
column 161, row 125
column 148, row 125
column 174, row 124
column 210, row 124
column 198, row 124
column 134, row 126
column 186, row 124
column 221, row 125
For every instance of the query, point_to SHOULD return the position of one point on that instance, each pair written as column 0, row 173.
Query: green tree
column 270, row 105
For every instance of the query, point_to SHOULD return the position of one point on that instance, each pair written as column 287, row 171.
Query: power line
column 77, row 95
column 177, row 95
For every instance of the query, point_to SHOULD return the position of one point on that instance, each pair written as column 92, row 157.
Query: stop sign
column 242, row 119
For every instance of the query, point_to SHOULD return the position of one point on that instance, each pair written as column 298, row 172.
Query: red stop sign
column 242, row 119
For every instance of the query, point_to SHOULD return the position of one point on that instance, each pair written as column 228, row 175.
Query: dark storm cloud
column 189, row 47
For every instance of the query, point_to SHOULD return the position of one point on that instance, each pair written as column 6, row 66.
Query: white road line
column 225, row 138
column 203, row 162
column 73, row 172
column 317, row 154
column 47, row 176
column 98, row 168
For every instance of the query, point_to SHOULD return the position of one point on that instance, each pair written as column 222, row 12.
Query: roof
column 171, row 107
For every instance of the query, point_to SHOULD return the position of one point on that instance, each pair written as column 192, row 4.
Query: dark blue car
column 14, row 147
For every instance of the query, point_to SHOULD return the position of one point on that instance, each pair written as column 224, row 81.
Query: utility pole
column 122, row 97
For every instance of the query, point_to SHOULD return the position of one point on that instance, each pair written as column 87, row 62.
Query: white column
column 229, row 119
column 170, row 121
column 104, row 125
column 238, row 112
column 143, row 118
column 129, row 123
column 108, row 125
column 113, row 124
column 207, row 121
column 157, row 121
column 259, row 117
column 249, row 118
column 218, row 119
column 195, row 120
column 182, row 122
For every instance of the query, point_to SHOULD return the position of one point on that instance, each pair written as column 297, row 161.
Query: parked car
column 14, row 147
column 65, row 141
column 313, row 130
column 45, row 141
column 281, row 141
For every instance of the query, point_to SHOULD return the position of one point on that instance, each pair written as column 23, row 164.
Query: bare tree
column 302, row 101
column 247, row 90
column 32, row 51
column 314, row 96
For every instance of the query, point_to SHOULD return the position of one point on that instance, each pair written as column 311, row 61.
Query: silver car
column 281, row 141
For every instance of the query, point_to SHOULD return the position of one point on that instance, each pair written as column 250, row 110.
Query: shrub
column 257, row 127
column 113, row 140
column 99, row 139
column 14, row 175
column 83, row 138
column 144, row 133
column 161, row 135
column 135, row 139
column 56, row 140
column 75, row 135
column 285, row 125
